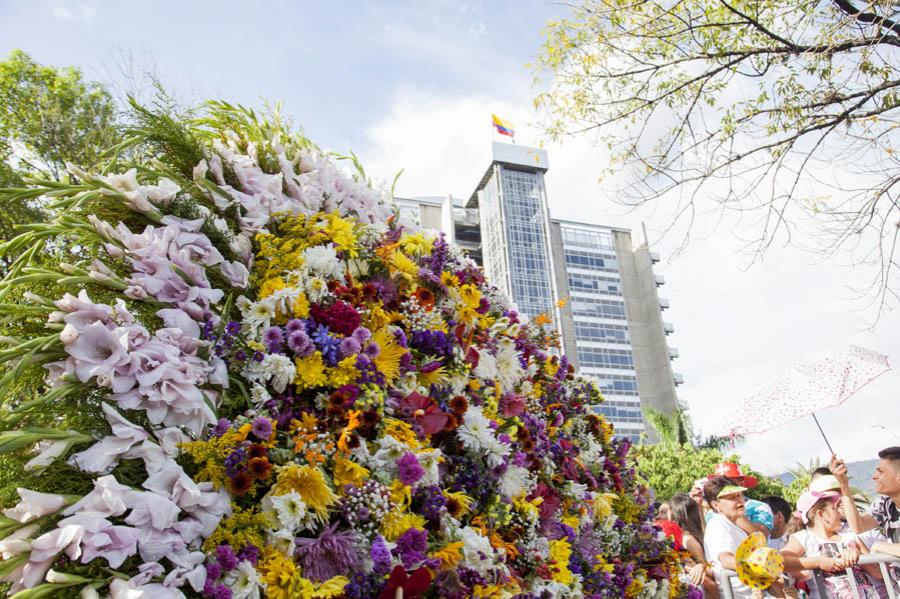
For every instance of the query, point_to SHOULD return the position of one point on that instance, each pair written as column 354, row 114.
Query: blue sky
column 411, row 85
column 336, row 65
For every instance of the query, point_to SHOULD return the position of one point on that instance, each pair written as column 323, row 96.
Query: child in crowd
column 686, row 513
column 823, row 546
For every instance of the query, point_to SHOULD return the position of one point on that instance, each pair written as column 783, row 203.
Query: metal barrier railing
column 725, row 577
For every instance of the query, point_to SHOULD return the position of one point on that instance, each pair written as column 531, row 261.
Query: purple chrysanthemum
column 331, row 554
column 294, row 325
column 409, row 470
column 349, row 346
column 262, row 428
column 411, row 547
column 300, row 343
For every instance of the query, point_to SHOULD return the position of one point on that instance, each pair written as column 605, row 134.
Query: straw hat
column 758, row 566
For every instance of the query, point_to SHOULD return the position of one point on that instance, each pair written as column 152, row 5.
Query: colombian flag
column 503, row 127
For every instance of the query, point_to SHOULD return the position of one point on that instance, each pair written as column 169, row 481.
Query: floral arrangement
column 232, row 373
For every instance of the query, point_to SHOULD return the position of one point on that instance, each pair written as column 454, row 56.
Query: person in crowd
column 686, row 513
column 757, row 513
column 823, row 546
column 819, row 472
column 883, row 515
column 781, row 513
column 725, row 530
column 664, row 512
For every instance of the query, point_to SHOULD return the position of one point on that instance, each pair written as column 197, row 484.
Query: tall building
column 610, row 319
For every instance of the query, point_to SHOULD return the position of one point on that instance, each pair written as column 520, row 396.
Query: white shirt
column 723, row 536
column 778, row 542
column 839, row 585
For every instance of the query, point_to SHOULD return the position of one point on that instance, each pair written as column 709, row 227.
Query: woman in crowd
column 686, row 513
column 822, row 545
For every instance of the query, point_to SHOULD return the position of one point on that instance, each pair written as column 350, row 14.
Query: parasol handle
column 823, row 433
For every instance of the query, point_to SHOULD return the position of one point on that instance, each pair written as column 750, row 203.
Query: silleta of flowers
column 232, row 373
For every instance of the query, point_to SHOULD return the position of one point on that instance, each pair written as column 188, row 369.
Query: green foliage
column 673, row 464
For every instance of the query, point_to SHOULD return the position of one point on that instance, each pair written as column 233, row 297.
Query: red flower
column 425, row 412
column 339, row 317
column 413, row 584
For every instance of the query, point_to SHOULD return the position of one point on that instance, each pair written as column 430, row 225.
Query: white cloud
column 737, row 325
column 73, row 12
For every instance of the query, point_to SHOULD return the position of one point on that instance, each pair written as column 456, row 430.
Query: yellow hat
column 758, row 566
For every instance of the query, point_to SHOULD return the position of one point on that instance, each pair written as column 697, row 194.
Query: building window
column 601, row 357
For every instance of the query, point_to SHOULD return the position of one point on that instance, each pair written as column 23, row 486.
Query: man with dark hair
column 781, row 511
column 884, row 513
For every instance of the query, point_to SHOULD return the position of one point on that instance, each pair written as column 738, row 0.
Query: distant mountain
column 860, row 475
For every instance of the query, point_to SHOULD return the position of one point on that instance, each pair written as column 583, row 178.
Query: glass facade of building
column 602, row 339
column 514, row 239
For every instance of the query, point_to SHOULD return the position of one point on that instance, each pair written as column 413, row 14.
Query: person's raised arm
column 857, row 522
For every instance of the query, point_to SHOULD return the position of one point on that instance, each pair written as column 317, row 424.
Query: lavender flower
column 411, row 547
column 381, row 556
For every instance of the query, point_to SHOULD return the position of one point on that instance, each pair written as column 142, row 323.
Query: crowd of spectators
column 774, row 548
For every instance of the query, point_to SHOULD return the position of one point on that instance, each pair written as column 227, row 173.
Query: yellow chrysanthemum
column 310, row 371
column 333, row 587
column 602, row 505
column 401, row 494
column 280, row 574
column 344, row 373
column 341, row 232
column 572, row 521
column 402, row 265
column 560, row 552
column 402, row 431
column 416, row 245
column 348, row 472
column 396, row 523
column 270, row 286
column 300, row 307
column 390, row 352
column 309, row 482
column 467, row 316
column 449, row 554
column 470, row 295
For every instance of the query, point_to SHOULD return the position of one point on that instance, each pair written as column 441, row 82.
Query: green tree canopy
column 783, row 111
column 49, row 115
column 672, row 465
